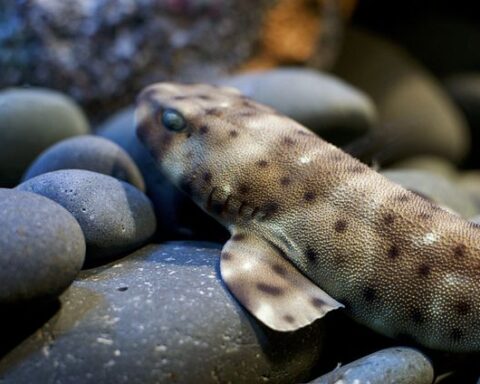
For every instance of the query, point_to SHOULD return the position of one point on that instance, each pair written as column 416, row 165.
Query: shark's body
column 293, row 202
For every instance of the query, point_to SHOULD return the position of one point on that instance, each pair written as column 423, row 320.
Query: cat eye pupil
column 172, row 120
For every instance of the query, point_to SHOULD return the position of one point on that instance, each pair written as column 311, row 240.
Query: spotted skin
column 406, row 266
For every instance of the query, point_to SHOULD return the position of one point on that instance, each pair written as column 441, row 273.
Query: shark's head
column 216, row 144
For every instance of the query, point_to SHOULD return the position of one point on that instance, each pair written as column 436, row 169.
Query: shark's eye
column 173, row 120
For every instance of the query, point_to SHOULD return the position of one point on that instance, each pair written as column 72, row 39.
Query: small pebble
column 115, row 217
column 90, row 153
column 392, row 365
column 42, row 248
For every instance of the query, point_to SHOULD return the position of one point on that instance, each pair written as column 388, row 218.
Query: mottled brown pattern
column 405, row 266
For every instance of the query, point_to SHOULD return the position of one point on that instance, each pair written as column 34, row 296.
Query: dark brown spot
column 270, row 208
column 311, row 255
column 317, row 302
column 247, row 113
column 285, row 180
column 309, row 196
column 213, row 112
column 424, row 216
column 417, row 316
column 393, row 252
column 340, row 226
column 358, row 168
column 207, row 177
column 459, row 250
column 336, row 157
column 270, row 289
column 247, row 103
column 122, row 289
column 288, row 141
column 463, row 308
column 303, row 133
column 179, row 97
column 289, row 319
column 403, row 197
column 456, row 334
column 227, row 256
column 203, row 130
column 233, row 133
column 388, row 218
column 238, row 237
column 279, row 269
column 243, row 189
column 204, row 97
column 424, row 270
column 262, row 163
column 369, row 294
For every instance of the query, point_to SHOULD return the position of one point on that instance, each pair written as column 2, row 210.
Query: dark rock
column 42, row 248
column 115, row 217
column 435, row 187
column 416, row 116
column 103, row 52
column 160, row 315
column 177, row 216
column 393, row 365
column 325, row 104
column 89, row 153
column 31, row 120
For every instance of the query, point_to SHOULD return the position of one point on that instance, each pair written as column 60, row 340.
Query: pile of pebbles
column 109, row 274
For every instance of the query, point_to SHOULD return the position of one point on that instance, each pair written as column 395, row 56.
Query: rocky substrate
column 95, row 290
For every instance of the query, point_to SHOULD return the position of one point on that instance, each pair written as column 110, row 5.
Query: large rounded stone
column 416, row 116
column 115, row 216
column 435, row 187
column 393, row 365
column 177, row 216
column 91, row 153
column 160, row 315
column 325, row 104
column 41, row 248
column 31, row 120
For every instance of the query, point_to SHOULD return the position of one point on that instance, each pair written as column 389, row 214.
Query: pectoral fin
column 269, row 286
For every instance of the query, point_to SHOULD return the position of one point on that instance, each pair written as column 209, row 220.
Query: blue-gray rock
column 159, row 315
column 392, row 365
column 42, row 248
column 416, row 115
column 115, row 217
column 91, row 153
column 177, row 216
column 322, row 102
column 32, row 119
column 435, row 187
